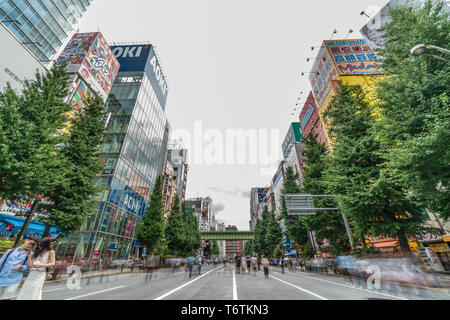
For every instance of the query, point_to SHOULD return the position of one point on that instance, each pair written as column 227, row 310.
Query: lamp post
column 422, row 49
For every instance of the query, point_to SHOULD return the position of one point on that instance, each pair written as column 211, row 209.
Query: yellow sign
column 438, row 247
column 446, row 238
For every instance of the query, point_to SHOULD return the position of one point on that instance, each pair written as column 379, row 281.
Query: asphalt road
column 220, row 283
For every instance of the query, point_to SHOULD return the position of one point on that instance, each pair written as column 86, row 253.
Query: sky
column 232, row 64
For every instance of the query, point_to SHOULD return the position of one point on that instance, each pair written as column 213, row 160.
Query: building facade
column 177, row 157
column 350, row 62
column 310, row 119
column 293, row 135
column 202, row 209
column 42, row 26
column 17, row 62
column 257, row 200
column 133, row 152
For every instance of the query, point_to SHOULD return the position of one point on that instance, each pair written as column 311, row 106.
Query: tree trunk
column 46, row 231
column 27, row 222
column 403, row 243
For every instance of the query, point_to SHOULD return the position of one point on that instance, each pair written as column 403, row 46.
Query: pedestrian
column 43, row 258
column 265, row 263
column 259, row 263
column 238, row 263
column 190, row 265
column 248, row 261
column 254, row 262
column 199, row 265
column 12, row 265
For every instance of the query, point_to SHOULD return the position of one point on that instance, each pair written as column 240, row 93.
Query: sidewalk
column 443, row 279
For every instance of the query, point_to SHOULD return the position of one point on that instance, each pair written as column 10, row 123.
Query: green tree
column 175, row 231
column 215, row 248
column 414, row 105
column 375, row 201
column 259, row 240
column 193, row 241
column 73, row 196
column 30, row 164
column 326, row 224
column 248, row 249
column 274, row 234
column 151, row 230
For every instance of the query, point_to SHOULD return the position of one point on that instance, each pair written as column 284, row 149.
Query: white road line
column 235, row 296
column 97, row 292
column 184, row 285
column 299, row 288
column 344, row 285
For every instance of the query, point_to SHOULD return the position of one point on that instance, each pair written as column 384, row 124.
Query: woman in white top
column 265, row 263
column 43, row 258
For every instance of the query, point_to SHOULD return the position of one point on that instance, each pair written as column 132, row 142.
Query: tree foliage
column 151, row 230
column 268, row 234
column 374, row 199
column 414, row 105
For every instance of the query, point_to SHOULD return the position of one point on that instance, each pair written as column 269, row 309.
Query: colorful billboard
column 322, row 73
column 353, row 57
column 89, row 55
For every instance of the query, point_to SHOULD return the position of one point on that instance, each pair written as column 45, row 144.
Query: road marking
column 184, row 285
column 299, row 288
column 344, row 285
column 54, row 289
column 97, row 292
column 235, row 296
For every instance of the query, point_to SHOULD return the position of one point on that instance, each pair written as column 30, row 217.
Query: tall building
column 42, row 26
column 133, row 152
column 293, row 135
column 351, row 62
column 177, row 157
column 257, row 199
column 277, row 187
column 202, row 209
column 310, row 119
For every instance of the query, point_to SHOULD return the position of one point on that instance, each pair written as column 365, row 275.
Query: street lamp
column 422, row 49
column 365, row 14
column 334, row 32
column 303, row 73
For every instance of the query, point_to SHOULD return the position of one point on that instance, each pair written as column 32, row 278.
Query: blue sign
column 143, row 58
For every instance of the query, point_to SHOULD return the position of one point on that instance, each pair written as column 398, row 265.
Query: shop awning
column 385, row 244
column 34, row 228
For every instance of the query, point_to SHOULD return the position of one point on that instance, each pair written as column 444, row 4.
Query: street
column 223, row 283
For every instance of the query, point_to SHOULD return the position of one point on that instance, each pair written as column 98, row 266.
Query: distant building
column 257, row 198
column 293, row 135
column 310, row 119
column 202, row 210
column 177, row 157
column 232, row 247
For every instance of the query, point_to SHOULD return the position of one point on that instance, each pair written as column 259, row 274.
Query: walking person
column 43, row 258
column 265, row 263
column 248, row 261
column 259, row 263
column 238, row 263
column 254, row 262
column 12, row 265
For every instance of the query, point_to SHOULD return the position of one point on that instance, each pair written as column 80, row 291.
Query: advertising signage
column 143, row 58
column 353, row 57
column 89, row 55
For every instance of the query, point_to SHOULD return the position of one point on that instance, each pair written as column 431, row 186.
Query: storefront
column 436, row 249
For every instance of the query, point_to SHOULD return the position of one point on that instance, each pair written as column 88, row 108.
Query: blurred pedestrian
column 265, row 263
column 43, row 258
column 254, row 262
column 12, row 265
column 248, row 261
column 237, row 260
column 259, row 263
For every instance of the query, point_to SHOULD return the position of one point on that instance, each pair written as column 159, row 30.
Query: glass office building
column 43, row 26
column 134, row 152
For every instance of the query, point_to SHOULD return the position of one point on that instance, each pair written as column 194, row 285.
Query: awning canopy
column 35, row 228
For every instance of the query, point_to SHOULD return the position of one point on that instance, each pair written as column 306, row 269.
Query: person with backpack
column 12, row 265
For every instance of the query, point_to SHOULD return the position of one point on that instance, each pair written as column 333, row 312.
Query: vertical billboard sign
column 89, row 55
column 322, row 73
column 353, row 57
column 143, row 58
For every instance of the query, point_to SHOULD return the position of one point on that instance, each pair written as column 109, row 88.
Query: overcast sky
column 230, row 64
